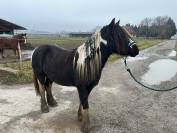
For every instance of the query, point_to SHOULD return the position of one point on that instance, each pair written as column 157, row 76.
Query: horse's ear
column 118, row 22
column 112, row 23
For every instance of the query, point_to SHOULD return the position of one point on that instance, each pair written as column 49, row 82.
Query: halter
column 131, row 43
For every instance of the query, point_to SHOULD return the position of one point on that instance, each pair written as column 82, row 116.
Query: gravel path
column 117, row 104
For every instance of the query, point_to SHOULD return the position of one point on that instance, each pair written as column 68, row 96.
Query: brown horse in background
column 12, row 43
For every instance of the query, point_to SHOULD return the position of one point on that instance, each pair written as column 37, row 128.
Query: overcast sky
column 82, row 15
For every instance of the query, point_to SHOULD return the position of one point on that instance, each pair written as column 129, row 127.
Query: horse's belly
column 62, row 77
column 64, row 81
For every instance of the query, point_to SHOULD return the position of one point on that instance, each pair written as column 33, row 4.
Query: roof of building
column 8, row 26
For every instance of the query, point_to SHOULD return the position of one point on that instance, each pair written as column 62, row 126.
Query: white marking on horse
column 103, row 40
column 100, row 37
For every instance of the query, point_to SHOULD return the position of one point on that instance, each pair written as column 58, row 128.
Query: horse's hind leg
column 50, row 99
column 44, row 106
column 15, row 52
column 2, row 53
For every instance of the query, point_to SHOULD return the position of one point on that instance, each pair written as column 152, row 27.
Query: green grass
column 24, row 74
column 143, row 44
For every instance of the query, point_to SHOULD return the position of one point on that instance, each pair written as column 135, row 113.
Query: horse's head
column 21, row 38
column 119, row 40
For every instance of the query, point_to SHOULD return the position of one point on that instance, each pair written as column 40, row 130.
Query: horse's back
column 49, row 51
column 8, row 42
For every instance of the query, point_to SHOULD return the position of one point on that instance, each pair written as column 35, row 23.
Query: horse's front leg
column 83, row 111
column 80, row 110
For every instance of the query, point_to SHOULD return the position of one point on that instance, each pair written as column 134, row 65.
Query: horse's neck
column 105, row 53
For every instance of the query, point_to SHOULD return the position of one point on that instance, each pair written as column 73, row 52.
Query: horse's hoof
column 85, row 127
column 79, row 117
column 52, row 103
column 45, row 109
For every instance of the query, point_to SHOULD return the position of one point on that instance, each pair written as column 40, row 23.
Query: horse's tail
column 36, row 84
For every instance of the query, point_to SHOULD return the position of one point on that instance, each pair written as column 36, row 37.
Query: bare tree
column 160, row 27
column 145, row 24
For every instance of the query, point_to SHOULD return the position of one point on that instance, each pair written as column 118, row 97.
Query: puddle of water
column 132, row 59
column 159, row 71
column 172, row 53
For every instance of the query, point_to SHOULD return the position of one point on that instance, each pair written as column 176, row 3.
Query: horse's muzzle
column 134, row 51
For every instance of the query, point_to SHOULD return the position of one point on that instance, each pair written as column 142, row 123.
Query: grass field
column 24, row 75
column 67, row 43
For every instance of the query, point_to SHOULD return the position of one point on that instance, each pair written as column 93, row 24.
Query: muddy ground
column 117, row 104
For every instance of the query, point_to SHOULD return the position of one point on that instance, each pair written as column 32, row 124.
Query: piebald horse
column 80, row 67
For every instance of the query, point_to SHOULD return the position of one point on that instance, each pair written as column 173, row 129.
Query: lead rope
column 142, row 84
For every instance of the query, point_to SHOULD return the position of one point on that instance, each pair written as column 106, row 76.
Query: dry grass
column 24, row 75
column 67, row 43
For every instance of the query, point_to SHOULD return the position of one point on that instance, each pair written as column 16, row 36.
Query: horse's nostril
column 134, row 51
